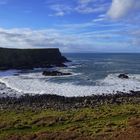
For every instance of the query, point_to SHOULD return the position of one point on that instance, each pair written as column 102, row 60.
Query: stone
column 123, row 76
column 54, row 73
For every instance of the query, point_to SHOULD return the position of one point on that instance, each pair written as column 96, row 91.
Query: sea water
column 92, row 73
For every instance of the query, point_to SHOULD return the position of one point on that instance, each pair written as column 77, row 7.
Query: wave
column 35, row 83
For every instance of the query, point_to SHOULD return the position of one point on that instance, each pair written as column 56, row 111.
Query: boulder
column 123, row 76
column 54, row 73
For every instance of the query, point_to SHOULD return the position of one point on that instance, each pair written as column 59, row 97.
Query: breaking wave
column 35, row 83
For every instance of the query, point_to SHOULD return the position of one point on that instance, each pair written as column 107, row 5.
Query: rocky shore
column 53, row 117
column 10, row 98
column 64, row 103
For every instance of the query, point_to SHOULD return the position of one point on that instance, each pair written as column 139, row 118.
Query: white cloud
column 48, row 38
column 121, row 8
column 73, row 37
column 98, row 19
column 60, row 9
column 80, row 6
column 87, row 9
column 90, row 6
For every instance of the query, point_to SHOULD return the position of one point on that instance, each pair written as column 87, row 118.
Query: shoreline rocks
column 66, row 103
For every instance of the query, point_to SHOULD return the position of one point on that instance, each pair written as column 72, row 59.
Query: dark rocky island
column 30, row 58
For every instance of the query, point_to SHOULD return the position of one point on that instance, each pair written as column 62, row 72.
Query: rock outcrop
column 123, row 76
column 30, row 58
column 54, row 73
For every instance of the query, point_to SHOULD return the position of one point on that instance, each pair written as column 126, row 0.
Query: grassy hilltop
column 106, row 122
column 34, row 120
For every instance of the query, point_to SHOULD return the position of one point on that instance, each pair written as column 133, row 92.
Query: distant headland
column 11, row 58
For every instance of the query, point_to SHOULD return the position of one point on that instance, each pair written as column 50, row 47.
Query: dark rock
column 38, row 102
column 61, row 65
column 30, row 58
column 123, row 76
column 54, row 73
column 49, row 66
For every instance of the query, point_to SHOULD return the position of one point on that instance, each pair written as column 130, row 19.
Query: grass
column 86, row 123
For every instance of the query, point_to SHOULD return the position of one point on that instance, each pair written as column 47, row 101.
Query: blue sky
column 71, row 25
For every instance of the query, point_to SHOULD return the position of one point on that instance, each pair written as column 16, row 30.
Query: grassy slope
column 103, row 122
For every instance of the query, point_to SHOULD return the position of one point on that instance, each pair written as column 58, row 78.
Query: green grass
column 86, row 121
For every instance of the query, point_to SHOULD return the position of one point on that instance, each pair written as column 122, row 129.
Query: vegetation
column 115, row 122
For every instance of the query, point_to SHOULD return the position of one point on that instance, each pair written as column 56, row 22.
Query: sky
column 71, row 25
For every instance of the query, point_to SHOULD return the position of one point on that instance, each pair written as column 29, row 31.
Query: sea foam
column 36, row 83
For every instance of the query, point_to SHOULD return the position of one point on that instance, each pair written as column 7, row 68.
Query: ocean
column 92, row 73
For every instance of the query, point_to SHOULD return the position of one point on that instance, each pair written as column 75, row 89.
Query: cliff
column 30, row 58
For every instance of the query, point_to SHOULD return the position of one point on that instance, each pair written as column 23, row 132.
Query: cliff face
column 30, row 58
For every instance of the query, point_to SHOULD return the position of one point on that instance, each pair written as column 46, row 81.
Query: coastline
column 92, row 116
column 57, row 102
column 13, row 98
column 53, row 117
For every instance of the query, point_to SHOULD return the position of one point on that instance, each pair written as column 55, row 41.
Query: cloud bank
column 47, row 38
column 107, row 40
